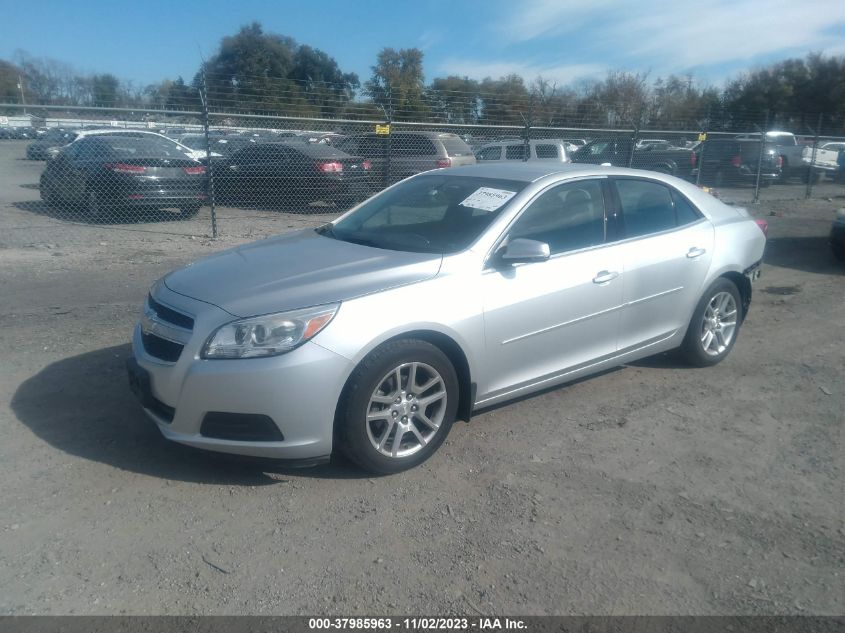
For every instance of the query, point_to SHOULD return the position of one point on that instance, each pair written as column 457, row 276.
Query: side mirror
column 523, row 250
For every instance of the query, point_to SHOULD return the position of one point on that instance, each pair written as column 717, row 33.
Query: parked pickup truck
column 674, row 161
column 796, row 158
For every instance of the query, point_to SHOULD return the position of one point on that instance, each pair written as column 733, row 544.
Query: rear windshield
column 151, row 147
column 456, row 147
column 194, row 142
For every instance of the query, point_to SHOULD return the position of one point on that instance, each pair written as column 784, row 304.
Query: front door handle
column 605, row 276
column 696, row 252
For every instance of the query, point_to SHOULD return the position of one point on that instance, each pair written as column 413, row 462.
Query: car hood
column 297, row 270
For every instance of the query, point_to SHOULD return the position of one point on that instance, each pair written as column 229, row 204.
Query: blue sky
column 561, row 40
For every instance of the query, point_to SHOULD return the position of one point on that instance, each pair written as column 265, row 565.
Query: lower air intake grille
column 240, row 427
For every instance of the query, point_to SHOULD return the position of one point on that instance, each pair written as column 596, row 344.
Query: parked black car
column 55, row 137
column 734, row 161
column 675, row 161
column 291, row 171
column 101, row 174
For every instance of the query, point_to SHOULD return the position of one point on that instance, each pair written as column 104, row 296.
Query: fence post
column 526, row 139
column 389, row 145
column 760, row 159
column 209, row 171
column 812, row 171
column 700, row 161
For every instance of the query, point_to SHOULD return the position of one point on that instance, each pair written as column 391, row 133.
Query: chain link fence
column 212, row 173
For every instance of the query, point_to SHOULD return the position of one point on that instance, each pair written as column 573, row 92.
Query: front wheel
column 714, row 325
column 398, row 406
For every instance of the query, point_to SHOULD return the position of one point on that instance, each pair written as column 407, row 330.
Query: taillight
column 764, row 226
column 123, row 168
column 736, row 161
column 693, row 159
column 330, row 167
column 444, row 162
column 780, row 162
column 195, row 171
column 367, row 164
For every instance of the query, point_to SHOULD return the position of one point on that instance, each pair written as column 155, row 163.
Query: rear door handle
column 696, row 252
column 604, row 277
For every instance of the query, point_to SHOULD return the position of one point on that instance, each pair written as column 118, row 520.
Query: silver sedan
column 451, row 291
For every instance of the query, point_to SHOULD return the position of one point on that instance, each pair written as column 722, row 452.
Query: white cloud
column 674, row 36
column 562, row 74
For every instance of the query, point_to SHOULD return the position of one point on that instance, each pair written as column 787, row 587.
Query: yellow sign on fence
column 383, row 129
column 702, row 136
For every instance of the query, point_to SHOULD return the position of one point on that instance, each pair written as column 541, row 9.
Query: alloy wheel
column 406, row 409
column 718, row 324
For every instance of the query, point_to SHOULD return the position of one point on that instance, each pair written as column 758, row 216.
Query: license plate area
column 139, row 383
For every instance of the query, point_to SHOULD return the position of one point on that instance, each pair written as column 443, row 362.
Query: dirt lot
column 652, row 489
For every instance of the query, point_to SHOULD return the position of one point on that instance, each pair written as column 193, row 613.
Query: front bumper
column 298, row 391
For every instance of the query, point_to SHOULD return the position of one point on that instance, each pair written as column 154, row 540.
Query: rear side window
column 685, row 213
column 650, row 207
column 412, row 145
column 646, row 207
column 456, row 147
column 489, row 153
column 515, row 152
column 546, row 151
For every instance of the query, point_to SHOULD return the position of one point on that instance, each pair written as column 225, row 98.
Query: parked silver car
column 451, row 291
column 552, row 149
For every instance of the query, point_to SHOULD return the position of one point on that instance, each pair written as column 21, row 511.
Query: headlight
column 840, row 216
column 268, row 335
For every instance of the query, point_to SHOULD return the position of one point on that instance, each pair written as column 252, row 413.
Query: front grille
column 240, row 427
column 160, row 348
column 170, row 315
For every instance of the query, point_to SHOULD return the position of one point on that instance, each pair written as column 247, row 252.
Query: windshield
column 429, row 214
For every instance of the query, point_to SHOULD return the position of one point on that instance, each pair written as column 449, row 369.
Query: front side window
column 567, row 217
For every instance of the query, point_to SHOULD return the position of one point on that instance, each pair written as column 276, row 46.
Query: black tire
column 838, row 250
column 784, row 170
column 353, row 436
column 92, row 206
column 187, row 211
column 692, row 349
column 48, row 196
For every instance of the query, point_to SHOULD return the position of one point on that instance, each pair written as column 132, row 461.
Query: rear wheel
column 714, row 325
column 93, row 206
column 187, row 211
column 398, row 406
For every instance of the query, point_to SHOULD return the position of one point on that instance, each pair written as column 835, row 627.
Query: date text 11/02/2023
column 418, row 624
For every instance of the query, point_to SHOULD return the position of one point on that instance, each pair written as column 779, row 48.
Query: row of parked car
column 104, row 168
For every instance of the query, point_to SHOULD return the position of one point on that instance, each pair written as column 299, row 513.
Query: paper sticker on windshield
column 488, row 199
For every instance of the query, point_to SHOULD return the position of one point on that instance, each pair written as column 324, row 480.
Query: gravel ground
column 651, row 489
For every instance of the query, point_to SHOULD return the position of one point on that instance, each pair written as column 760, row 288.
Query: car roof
column 531, row 171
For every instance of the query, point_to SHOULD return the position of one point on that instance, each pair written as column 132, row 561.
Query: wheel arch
column 453, row 351
column 743, row 284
